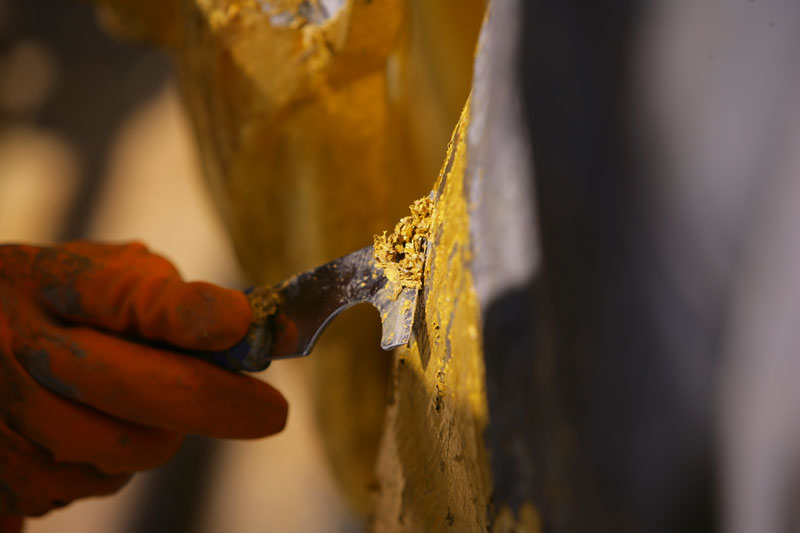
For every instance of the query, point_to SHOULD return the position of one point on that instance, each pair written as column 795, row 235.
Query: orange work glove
column 90, row 388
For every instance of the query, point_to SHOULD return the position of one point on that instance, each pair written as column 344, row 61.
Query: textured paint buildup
column 264, row 302
column 401, row 254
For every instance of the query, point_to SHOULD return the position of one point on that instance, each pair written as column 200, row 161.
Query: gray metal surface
column 309, row 301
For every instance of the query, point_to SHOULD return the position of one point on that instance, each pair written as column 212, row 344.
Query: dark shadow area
column 177, row 492
column 533, row 456
column 640, row 448
column 509, row 344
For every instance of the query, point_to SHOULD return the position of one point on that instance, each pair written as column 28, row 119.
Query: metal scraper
column 307, row 302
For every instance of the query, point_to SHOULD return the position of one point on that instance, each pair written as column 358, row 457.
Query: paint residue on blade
column 401, row 254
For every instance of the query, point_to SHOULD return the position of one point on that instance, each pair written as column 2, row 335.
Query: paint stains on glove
column 95, row 383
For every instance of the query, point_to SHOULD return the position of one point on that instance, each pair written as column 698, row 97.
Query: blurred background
column 94, row 143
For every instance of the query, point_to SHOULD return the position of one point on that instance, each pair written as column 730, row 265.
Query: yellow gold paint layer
column 433, row 469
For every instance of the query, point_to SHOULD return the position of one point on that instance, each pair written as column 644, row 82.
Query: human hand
column 92, row 385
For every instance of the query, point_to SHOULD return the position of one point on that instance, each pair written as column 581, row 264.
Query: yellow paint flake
column 401, row 254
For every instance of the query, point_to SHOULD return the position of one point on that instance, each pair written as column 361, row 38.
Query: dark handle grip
column 250, row 354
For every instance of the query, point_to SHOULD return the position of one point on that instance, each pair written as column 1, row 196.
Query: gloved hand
column 91, row 389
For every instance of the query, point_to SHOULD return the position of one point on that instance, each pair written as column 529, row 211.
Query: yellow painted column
column 433, row 469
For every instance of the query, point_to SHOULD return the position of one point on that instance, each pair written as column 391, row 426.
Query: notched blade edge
column 397, row 315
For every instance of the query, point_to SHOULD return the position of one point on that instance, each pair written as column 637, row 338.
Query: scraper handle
column 250, row 354
column 288, row 318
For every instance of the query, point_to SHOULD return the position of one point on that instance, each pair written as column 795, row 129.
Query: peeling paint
column 440, row 410
column 401, row 254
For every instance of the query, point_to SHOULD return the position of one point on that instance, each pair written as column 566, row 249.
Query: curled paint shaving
column 401, row 254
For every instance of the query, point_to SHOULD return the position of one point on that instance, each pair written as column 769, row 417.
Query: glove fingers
column 126, row 289
column 33, row 483
column 77, row 434
column 70, row 431
column 11, row 524
column 159, row 388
